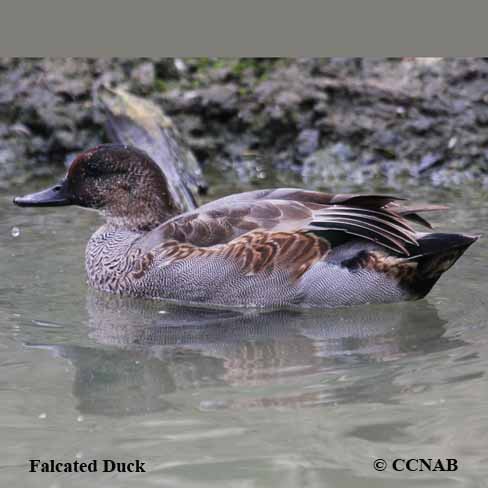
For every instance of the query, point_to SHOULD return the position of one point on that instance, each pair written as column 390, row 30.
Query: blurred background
column 324, row 123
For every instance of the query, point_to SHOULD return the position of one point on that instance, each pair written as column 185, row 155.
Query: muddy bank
column 395, row 122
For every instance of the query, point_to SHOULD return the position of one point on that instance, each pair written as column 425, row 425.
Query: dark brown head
column 122, row 182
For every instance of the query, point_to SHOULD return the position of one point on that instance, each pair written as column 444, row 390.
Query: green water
column 235, row 399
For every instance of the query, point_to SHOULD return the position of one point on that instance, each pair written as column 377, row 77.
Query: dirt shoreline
column 396, row 121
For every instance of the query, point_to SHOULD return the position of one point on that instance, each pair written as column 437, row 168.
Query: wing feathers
column 384, row 219
column 379, row 218
column 364, row 230
column 381, row 226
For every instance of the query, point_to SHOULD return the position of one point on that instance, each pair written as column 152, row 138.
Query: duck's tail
column 435, row 254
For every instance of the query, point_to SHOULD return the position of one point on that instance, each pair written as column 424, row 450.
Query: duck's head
column 122, row 182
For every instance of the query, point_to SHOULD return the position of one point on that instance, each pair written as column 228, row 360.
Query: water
column 235, row 399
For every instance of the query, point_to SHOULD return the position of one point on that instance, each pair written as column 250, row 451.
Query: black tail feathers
column 435, row 254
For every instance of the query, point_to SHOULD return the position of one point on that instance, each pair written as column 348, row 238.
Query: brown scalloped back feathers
column 377, row 218
column 256, row 252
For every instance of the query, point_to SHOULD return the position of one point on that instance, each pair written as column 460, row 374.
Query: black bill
column 51, row 197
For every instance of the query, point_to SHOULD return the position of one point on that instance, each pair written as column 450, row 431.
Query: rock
column 66, row 139
column 428, row 161
column 389, row 113
column 7, row 155
column 421, row 125
column 308, row 142
column 220, row 98
column 169, row 68
column 144, row 76
column 333, row 167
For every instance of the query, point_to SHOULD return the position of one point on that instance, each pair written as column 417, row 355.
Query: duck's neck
column 140, row 216
column 109, row 258
column 138, row 224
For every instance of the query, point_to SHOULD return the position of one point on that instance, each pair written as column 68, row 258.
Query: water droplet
column 15, row 232
column 43, row 415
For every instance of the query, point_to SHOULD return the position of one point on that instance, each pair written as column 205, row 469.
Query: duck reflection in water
column 150, row 355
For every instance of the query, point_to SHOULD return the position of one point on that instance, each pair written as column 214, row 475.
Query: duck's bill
column 51, row 197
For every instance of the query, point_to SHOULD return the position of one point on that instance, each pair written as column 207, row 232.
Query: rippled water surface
column 235, row 399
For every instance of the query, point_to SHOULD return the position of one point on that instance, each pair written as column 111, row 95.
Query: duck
column 284, row 247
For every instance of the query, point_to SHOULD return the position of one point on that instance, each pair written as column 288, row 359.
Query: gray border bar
column 243, row 27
